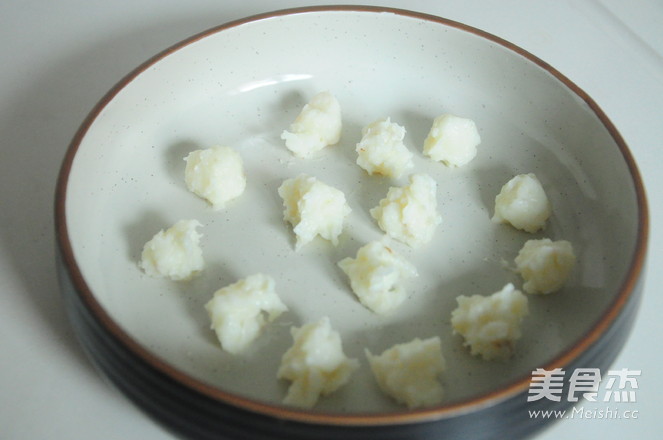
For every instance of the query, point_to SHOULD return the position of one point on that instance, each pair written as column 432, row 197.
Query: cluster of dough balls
column 215, row 174
column 377, row 273
column 407, row 372
column 490, row 325
column 315, row 364
column 544, row 264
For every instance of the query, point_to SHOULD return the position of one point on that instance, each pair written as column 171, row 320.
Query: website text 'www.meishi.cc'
column 585, row 413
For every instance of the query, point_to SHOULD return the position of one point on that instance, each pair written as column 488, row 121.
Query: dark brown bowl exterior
column 192, row 409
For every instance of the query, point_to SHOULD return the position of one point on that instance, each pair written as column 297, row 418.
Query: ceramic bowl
column 241, row 84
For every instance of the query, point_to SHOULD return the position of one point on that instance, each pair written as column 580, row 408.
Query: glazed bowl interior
column 241, row 85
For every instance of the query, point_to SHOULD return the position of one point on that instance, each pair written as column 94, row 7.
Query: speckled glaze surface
column 240, row 85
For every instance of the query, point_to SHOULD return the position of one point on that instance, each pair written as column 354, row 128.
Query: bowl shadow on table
column 46, row 113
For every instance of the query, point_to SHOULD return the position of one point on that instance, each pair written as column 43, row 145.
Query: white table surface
column 57, row 58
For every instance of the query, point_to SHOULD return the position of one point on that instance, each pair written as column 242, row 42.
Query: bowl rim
column 405, row 416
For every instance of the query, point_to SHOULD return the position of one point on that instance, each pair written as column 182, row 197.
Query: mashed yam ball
column 318, row 125
column 381, row 150
column 315, row 364
column 490, row 325
column 376, row 276
column 409, row 214
column 545, row 265
column 174, row 253
column 239, row 312
column 409, row 372
column 313, row 208
column 216, row 174
column 523, row 203
column 452, row 140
